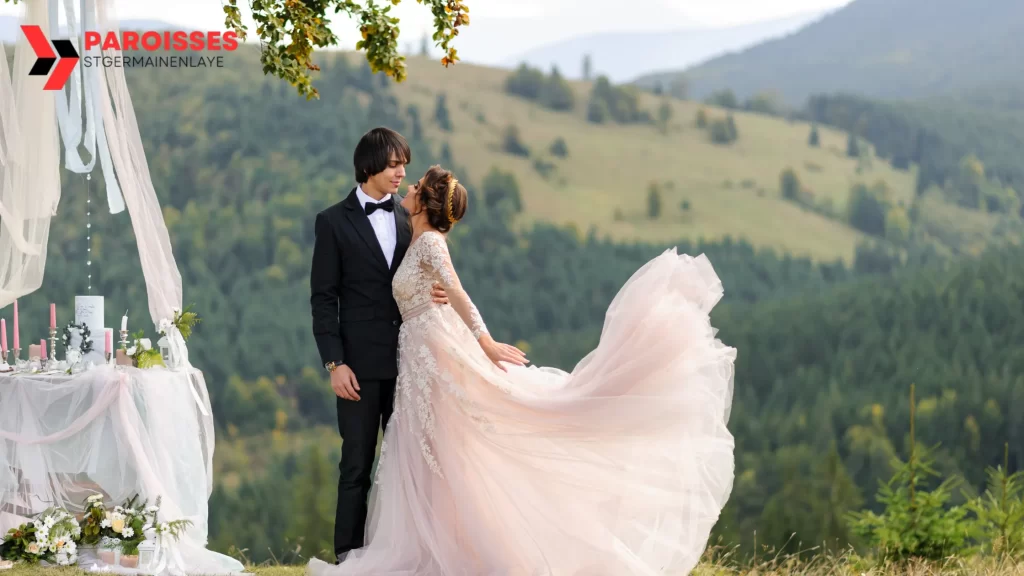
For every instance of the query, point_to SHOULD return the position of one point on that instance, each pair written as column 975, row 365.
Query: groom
column 359, row 244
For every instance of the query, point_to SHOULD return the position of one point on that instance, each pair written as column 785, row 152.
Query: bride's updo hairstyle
column 442, row 198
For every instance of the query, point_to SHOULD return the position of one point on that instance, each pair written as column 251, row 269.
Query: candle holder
column 109, row 357
column 124, row 339
column 51, row 361
column 15, row 358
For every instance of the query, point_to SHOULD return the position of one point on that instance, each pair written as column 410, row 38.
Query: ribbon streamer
column 83, row 84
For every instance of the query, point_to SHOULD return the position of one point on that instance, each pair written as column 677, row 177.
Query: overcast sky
column 507, row 27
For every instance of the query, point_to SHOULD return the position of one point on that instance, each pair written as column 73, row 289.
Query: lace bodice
column 428, row 261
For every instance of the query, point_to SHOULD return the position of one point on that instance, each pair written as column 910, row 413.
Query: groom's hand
column 343, row 381
column 440, row 296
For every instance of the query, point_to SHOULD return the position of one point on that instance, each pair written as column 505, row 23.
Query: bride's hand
column 498, row 353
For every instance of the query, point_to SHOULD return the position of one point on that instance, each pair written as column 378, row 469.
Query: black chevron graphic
column 65, row 49
column 42, row 67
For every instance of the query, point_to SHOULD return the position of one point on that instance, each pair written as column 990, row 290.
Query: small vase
column 107, row 556
column 130, row 560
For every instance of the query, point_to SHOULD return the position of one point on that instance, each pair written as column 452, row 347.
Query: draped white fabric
column 117, row 432
column 29, row 164
column 163, row 281
column 30, row 154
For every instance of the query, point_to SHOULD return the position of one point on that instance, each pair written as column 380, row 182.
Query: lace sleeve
column 437, row 258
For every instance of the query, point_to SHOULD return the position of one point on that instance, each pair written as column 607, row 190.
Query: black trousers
column 358, row 423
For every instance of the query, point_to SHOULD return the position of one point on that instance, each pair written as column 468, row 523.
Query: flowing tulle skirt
column 620, row 467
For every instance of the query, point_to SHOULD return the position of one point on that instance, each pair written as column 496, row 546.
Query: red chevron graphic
column 46, row 57
column 36, row 39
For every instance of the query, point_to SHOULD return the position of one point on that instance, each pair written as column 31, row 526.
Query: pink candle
column 42, row 349
column 109, row 348
column 53, row 315
column 3, row 335
column 17, row 344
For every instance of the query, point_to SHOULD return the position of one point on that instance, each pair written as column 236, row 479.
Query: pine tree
column 441, row 114
column 852, row 146
column 789, row 184
column 664, row 116
column 914, row 522
column 653, row 202
column 813, row 140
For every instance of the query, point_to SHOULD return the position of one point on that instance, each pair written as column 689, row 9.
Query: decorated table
column 97, row 446
column 116, row 431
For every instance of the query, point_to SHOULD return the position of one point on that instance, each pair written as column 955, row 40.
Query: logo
column 186, row 44
column 45, row 57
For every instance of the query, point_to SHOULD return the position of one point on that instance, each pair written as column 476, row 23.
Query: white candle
column 124, row 322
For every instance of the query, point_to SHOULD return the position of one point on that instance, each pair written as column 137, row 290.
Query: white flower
column 152, row 510
column 128, row 532
column 49, row 522
column 42, row 535
column 33, row 548
column 146, row 344
column 131, row 351
column 71, row 547
column 105, row 523
column 62, row 559
column 165, row 326
column 74, row 356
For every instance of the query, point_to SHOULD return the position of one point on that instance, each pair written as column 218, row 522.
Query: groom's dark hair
column 374, row 151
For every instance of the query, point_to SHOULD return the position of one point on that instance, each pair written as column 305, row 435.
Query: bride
column 494, row 468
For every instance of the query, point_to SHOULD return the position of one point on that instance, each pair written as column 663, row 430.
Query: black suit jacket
column 355, row 317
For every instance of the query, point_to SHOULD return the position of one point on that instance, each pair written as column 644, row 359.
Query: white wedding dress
column 620, row 467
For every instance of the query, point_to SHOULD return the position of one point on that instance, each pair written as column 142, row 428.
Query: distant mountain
column 623, row 56
column 10, row 31
column 893, row 49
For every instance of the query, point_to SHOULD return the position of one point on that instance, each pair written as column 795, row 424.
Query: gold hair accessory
column 451, row 191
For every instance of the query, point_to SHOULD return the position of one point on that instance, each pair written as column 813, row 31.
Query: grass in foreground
column 821, row 565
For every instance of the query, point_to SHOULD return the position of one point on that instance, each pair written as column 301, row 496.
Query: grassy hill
column 879, row 48
column 732, row 190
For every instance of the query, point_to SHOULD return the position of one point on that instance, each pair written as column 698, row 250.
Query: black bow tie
column 388, row 205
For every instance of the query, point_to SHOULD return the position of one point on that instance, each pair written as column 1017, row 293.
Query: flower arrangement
column 184, row 320
column 55, row 535
column 142, row 353
column 52, row 536
column 172, row 529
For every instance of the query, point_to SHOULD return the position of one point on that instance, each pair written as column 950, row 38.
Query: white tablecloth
column 115, row 431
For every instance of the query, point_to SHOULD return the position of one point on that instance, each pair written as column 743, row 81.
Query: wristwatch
column 331, row 366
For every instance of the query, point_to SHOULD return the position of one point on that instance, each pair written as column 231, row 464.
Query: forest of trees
column 552, row 91
column 940, row 139
column 826, row 351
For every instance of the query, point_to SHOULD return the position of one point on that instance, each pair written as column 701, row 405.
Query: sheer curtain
column 29, row 166
column 30, row 159
column 136, row 431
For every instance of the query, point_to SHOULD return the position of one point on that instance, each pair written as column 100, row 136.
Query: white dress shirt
column 383, row 223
